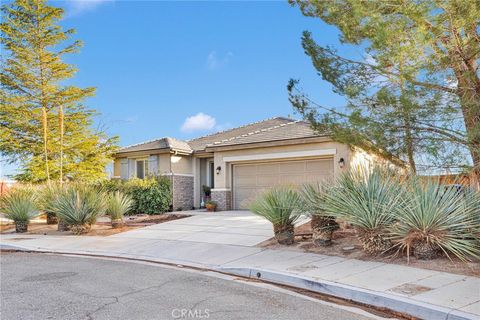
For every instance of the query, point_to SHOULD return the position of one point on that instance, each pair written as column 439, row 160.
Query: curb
column 398, row 304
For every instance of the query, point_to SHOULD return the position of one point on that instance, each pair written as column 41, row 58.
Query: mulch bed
column 345, row 237
column 100, row 228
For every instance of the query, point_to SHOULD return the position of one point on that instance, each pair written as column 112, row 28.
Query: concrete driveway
column 241, row 228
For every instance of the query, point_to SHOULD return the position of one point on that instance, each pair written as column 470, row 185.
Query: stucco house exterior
column 238, row 163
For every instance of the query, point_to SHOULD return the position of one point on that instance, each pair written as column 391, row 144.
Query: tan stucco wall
column 362, row 159
column 164, row 163
column 181, row 164
column 223, row 180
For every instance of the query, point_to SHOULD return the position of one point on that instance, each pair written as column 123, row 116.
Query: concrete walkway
column 226, row 243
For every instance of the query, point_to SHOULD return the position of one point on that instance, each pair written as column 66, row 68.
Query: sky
column 186, row 69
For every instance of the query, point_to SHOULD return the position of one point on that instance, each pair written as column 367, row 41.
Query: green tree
column 424, row 54
column 44, row 123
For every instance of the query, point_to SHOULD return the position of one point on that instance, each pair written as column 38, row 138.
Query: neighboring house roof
column 274, row 129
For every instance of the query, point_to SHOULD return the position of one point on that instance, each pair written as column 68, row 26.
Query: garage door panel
column 294, row 179
column 267, row 168
column 249, row 180
column 265, row 181
column 319, row 165
column 288, row 167
column 245, row 181
column 318, row 178
column 248, row 169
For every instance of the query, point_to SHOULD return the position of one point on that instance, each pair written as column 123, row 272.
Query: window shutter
column 153, row 165
column 131, row 168
column 124, row 169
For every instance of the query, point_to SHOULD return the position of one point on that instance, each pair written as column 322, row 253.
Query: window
column 211, row 176
column 141, row 169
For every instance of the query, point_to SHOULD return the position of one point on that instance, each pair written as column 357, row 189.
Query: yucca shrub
column 368, row 199
column 19, row 205
column 438, row 219
column 79, row 206
column 46, row 201
column 118, row 205
column 281, row 206
column 323, row 225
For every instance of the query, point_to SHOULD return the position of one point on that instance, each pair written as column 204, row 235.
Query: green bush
column 151, row 196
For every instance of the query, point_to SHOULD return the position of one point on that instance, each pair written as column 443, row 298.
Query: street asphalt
column 41, row 286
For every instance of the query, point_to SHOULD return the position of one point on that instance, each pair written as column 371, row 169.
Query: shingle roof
column 274, row 129
column 166, row 143
column 290, row 130
column 200, row 143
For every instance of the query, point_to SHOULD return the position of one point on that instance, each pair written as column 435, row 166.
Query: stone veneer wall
column 223, row 198
column 182, row 188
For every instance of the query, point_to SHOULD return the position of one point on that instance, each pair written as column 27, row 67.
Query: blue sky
column 158, row 65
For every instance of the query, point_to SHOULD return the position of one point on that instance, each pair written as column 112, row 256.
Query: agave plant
column 79, row 207
column 20, row 206
column 368, row 199
column 323, row 225
column 118, row 205
column 281, row 206
column 438, row 219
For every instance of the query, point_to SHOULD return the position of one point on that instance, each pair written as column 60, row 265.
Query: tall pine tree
column 44, row 124
column 426, row 50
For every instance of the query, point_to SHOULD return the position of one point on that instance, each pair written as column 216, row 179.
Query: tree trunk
column 60, row 124
column 45, row 141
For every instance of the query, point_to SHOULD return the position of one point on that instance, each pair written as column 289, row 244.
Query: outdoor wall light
column 218, row 169
column 341, row 162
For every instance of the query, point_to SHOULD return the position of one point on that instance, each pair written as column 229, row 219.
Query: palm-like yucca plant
column 323, row 225
column 438, row 219
column 19, row 205
column 367, row 198
column 118, row 205
column 281, row 206
column 47, row 197
column 79, row 207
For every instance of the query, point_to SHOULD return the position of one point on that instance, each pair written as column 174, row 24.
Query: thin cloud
column 76, row 7
column 214, row 61
column 198, row 122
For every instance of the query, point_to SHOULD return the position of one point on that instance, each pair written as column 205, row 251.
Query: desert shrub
column 19, row 204
column 151, row 195
column 438, row 219
column 118, row 205
column 112, row 185
column 281, row 206
column 322, row 223
column 47, row 195
column 79, row 206
column 369, row 199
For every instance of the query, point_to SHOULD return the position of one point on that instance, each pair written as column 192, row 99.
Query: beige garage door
column 250, row 179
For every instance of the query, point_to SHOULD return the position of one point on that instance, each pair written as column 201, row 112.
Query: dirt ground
column 100, row 228
column 345, row 238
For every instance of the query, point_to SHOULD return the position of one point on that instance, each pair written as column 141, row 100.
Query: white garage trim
column 282, row 155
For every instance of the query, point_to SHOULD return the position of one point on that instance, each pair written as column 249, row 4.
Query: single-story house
column 238, row 163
